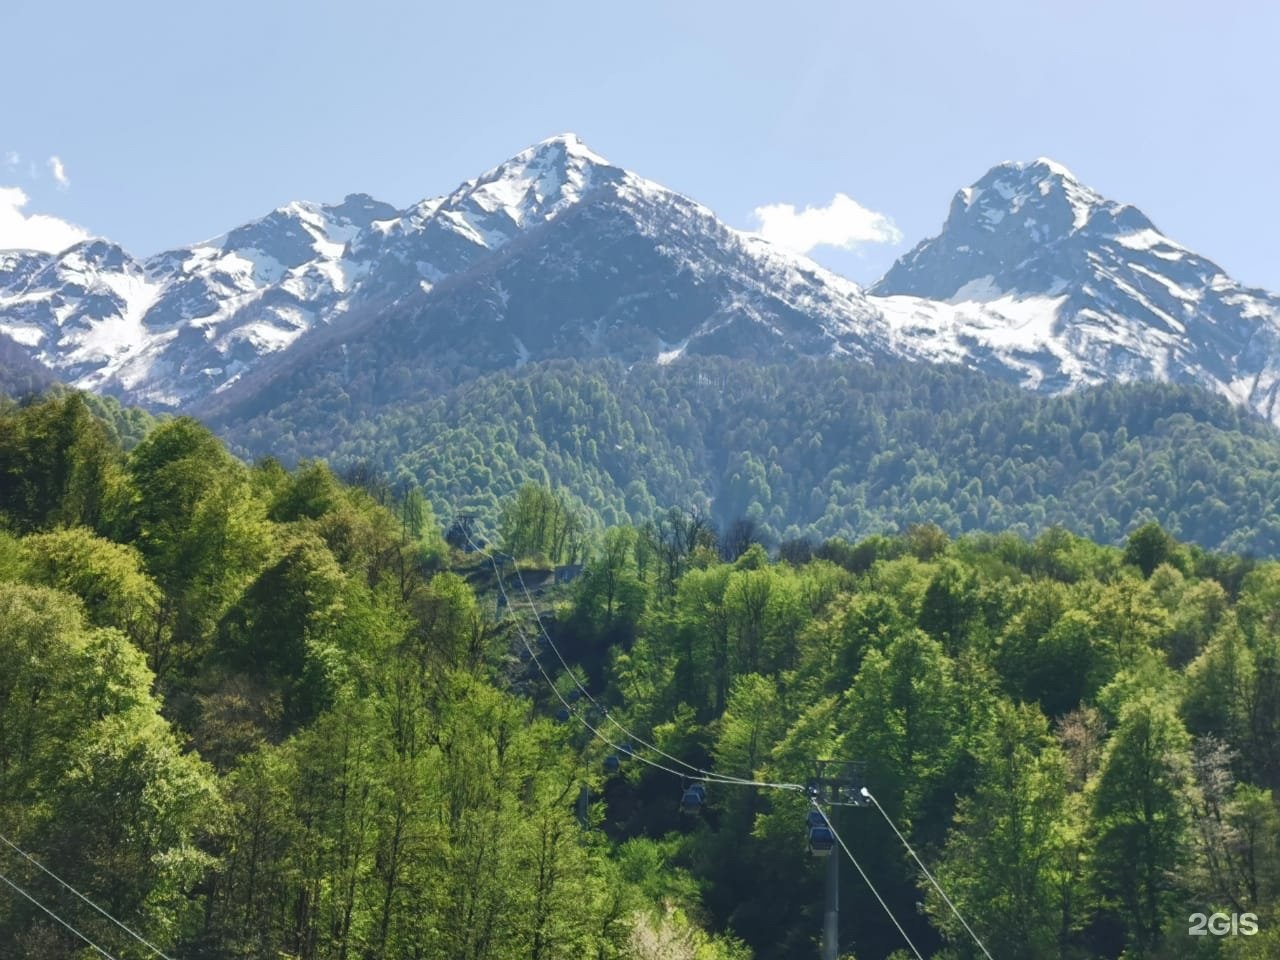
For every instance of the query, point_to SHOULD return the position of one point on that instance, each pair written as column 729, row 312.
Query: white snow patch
column 26, row 334
column 1185, row 294
column 1009, row 324
column 138, row 293
column 982, row 289
column 668, row 352
column 1145, row 240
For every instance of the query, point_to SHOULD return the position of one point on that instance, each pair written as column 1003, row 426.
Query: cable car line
column 690, row 770
column 133, row 933
column 693, row 770
column 567, row 707
column 586, row 693
column 687, row 800
column 24, row 893
column 871, row 886
column 937, row 886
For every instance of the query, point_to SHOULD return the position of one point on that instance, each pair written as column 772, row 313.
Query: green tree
column 539, row 522
column 93, row 781
column 57, row 465
column 1003, row 863
column 902, row 717
column 109, row 579
column 1140, row 814
column 610, row 596
column 1148, row 547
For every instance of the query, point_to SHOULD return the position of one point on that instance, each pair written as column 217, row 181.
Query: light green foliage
column 92, row 778
column 538, row 523
column 1140, row 814
column 450, row 630
column 903, row 717
column 1004, row 862
column 610, row 594
column 108, row 577
column 337, row 758
column 751, row 722
column 286, row 627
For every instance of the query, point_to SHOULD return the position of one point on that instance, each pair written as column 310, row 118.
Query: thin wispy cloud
column 12, row 159
column 35, row 231
column 59, row 171
column 843, row 223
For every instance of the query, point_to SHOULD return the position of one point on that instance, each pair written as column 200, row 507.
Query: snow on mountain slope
column 171, row 327
column 1036, row 276
column 558, row 253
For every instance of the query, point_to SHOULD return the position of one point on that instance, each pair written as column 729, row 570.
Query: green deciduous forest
column 809, row 448
column 258, row 712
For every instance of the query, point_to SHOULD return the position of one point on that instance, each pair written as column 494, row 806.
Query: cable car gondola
column 562, row 715
column 612, row 763
column 821, row 839
column 692, row 799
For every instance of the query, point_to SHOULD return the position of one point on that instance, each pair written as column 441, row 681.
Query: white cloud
column 844, row 222
column 36, row 231
column 12, row 159
column 59, row 171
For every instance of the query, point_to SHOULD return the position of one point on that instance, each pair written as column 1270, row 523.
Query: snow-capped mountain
column 173, row 326
column 553, row 252
column 1036, row 276
column 176, row 328
column 558, row 253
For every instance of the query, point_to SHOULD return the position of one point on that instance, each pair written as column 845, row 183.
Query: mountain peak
column 562, row 152
column 569, row 143
column 1023, row 224
column 1011, row 194
column 1040, row 168
column 535, row 185
column 1053, row 167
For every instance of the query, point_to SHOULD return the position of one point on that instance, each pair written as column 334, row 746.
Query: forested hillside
column 259, row 713
column 20, row 375
column 249, row 714
column 1082, row 741
column 810, row 448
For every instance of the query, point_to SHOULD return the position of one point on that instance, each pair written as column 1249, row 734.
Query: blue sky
column 173, row 122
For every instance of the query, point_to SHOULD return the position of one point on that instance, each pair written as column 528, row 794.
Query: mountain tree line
column 813, row 449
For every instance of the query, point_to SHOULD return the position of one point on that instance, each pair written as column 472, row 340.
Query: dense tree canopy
column 815, row 449
column 254, row 712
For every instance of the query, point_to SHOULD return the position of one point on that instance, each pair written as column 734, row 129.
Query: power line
column 133, row 933
column 691, row 768
column 710, row 777
column 584, row 691
column 24, row 893
column 876, row 893
column 937, row 886
column 705, row 774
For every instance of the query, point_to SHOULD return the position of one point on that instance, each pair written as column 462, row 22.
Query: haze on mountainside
column 557, row 253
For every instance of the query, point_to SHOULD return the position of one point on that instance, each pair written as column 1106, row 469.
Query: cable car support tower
column 835, row 783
